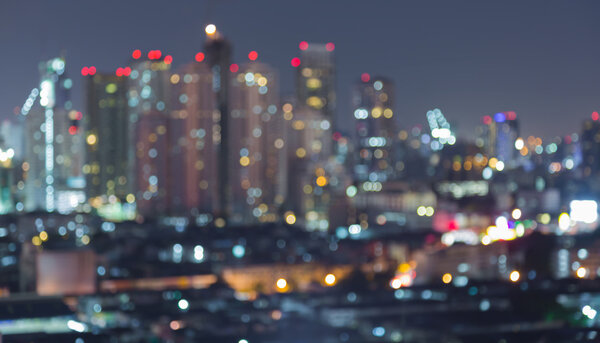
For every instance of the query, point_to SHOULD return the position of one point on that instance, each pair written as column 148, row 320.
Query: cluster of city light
column 405, row 275
column 533, row 144
column 440, row 129
column 464, row 189
column 370, row 186
column 425, row 211
column 589, row 312
column 30, row 101
column 504, row 230
column 361, row 113
column 6, row 155
column 376, row 141
column 584, row 211
column 463, row 236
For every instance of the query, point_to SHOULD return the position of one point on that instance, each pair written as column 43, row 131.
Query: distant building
column 7, row 181
column 312, row 117
column 375, row 129
column 109, row 140
column 54, row 145
column 218, row 57
column 590, row 147
column 258, row 160
column 196, row 134
column 148, row 97
column 315, row 78
column 500, row 133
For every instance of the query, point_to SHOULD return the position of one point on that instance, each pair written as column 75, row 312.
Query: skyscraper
column 107, row 126
column 315, row 78
column 218, row 56
column 311, row 119
column 590, row 146
column 110, row 145
column 375, row 128
column 196, row 130
column 258, row 179
column 54, row 144
column 148, row 97
column 502, row 132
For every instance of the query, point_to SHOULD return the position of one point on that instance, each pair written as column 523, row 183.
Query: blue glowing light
column 499, row 117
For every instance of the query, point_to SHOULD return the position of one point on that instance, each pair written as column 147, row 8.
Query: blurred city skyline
column 467, row 58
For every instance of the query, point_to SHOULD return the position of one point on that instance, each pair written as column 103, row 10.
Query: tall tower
column 109, row 144
column 218, row 56
column 148, row 97
column 375, row 128
column 503, row 131
column 311, row 121
column 54, row 144
column 197, row 134
column 258, row 160
column 590, row 146
column 315, row 78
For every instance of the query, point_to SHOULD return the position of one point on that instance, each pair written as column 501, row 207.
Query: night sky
column 469, row 58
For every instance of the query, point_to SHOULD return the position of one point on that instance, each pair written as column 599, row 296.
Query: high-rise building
column 148, row 97
column 311, row 118
column 54, row 144
column 7, row 180
column 375, row 128
column 196, row 130
column 11, row 135
column 502, row 130
column 110, row 181
column 315, row 78
column 310, row 156
column 258, row 159
column 590, row 146
column 218, row 56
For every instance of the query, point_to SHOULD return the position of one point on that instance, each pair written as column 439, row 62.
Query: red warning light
column 126, row 71
column 253, row 55
column 168, row 59
column 303, row 45
column 595, row 116
column 78, row 116
column 154, row 54
column 295, row 62
column 199, row 57
column 511, row 115
column 234, row 68
column 119, row 72
column 91, row 70
column 487, row 120
column 330, row 46
column 84, row 71
column 365, row 77
column 136, row 54
column 72, row 129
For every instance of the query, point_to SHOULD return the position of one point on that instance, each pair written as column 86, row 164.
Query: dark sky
column 539, row 58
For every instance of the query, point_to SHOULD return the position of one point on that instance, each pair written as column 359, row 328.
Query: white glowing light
column 210, row 29
column 76, row 326
column 183, row 304
column 585, row 211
